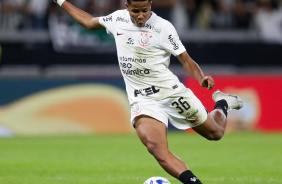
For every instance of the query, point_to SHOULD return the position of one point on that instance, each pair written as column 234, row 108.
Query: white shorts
column 183, row 110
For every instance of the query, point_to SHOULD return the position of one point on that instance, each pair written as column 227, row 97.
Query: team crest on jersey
column 136, row 109
column 145, row 40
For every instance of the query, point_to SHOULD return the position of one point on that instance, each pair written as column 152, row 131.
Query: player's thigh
column 184, row 110
column 151, row 131
column 150, row 109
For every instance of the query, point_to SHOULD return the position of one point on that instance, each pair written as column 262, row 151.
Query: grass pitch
column 245, row 158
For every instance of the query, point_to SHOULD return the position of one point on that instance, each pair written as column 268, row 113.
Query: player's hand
column 55, row 1
column 207, row 82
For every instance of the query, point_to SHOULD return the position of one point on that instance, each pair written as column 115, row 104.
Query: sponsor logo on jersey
column 108, row 18
column 153, row 28
column 121, row 19
column 146, row 91
column 136, row 71
column 126, row 68
column 135, row 60
column 173, row 42
column 130, row 41
column 145, row 40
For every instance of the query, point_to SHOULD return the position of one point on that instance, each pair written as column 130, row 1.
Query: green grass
column 245, row 158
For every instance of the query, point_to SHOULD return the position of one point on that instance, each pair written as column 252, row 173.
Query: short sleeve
column 108, row 22
column 170, row 40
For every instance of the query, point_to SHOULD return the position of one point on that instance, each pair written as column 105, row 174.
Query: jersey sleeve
column 109, row 22
column 170, row 40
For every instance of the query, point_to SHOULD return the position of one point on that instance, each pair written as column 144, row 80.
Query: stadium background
column 61, row 88
column 46, row 54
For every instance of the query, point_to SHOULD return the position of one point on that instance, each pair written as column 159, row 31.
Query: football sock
column 187, row 177
column 222, row 104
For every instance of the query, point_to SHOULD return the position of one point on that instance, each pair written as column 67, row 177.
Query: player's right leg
column 214, row 127
column 153, row 134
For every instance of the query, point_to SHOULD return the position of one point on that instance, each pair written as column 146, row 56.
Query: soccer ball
column 157, row 180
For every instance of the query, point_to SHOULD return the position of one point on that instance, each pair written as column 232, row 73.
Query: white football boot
column 233, row 101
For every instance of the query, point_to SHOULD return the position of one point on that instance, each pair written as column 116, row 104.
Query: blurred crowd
column 23, row 14
column 265, row 16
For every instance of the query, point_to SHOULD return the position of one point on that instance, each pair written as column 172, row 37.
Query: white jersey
column 144, row 55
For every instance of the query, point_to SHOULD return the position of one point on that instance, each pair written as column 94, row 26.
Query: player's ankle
column 222, row 104
column 187, row 177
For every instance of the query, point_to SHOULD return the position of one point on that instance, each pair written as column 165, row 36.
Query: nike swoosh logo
column 118, row 34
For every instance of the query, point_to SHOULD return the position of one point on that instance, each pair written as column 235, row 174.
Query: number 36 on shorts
column 186, row 108
column 181, row 105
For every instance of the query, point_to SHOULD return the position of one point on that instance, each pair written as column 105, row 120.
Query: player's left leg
column 214, row 126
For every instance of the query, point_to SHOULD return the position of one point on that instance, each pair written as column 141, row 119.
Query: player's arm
column 195, row 71
column 83, row 18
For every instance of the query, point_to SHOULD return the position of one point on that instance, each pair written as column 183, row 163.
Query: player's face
column 140, row 12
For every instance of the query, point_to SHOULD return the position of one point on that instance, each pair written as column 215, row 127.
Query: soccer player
column 144, row 44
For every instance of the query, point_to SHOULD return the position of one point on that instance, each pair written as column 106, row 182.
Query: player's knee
column 157, row 151
column 215, row 136
column 152, row 148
